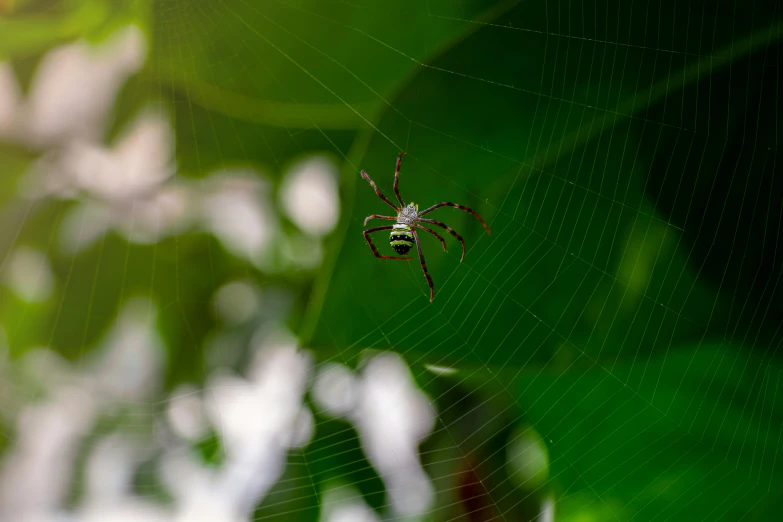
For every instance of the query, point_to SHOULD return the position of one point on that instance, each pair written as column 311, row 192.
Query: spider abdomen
column 401, row 238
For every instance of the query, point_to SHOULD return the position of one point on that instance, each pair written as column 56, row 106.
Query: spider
column 408, row 219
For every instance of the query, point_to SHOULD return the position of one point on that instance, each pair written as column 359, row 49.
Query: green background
column 626, row 156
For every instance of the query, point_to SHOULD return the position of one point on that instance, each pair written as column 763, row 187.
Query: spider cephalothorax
column 408, row 213
column 403, row 233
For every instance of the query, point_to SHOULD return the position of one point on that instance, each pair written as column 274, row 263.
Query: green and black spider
column 408, row 219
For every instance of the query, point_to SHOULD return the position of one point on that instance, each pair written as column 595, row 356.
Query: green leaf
column 584, row 265
column 265, row 81
column 691, row 436
column 209, row 450
column 30, row 30
column 271, row 54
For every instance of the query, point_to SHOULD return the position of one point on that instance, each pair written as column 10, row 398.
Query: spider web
column 610, row 352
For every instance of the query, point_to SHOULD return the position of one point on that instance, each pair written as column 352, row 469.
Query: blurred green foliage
column 625, row 306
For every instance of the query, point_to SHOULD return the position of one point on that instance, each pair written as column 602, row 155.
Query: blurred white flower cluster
column 73, row 92
column 131, row 187
column 54, row 406
column 392, row 417
column 259, row 418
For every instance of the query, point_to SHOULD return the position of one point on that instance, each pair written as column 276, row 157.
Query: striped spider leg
column 449, row 230
column 424, row 265
column 397, row 179
column 440, row 238
column 460, row 207
column 378, row 191
column 378, row 216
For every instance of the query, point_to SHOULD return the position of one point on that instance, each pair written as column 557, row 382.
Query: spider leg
column 375, row 250
column 378, row 192
column 378, row 216
column 450, row 231
column 449, row 204
column 423, row 264
column 443, row 241
column 397, row 179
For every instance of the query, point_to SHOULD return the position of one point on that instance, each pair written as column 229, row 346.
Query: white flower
column 392, row 417
column 185, row 413
column 130, row 359
column 72, row 92
column 309, row 195
column 345, row 504
column 236, row 302
column 335, row 389
column 235, row 207
column 29, row 275
column 258, row 419
column 138, row 163
column 388, row 397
